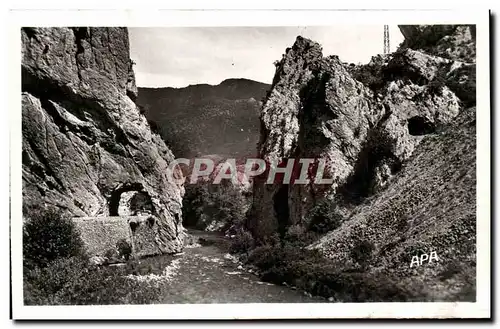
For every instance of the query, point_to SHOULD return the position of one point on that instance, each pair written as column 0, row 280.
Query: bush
column 124, row 249
column 243, row 242
column 48, row 235
column 70, row 281
column 298, row 236
column 308, row 270
column 324, row 217
column 120, row 253
column 285, row 263
column 362, row 251
column 192, row 204
column 286, row 260
column 436, row 86
column 56, row 270
column 206, row 204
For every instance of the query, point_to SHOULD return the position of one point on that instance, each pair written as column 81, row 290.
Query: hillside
column 205, row 119
column 398, row 139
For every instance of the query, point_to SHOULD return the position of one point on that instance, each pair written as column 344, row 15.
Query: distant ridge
column 229, row 81
column 207, row 119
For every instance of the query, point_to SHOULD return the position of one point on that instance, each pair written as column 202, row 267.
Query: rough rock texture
column 429, row 207
column 456, row 42
column 303, row 118
column 364, row 125
column 103, row 237
column 85, row 142
column 398, row 137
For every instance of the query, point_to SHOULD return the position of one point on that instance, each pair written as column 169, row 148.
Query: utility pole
column 387, row 47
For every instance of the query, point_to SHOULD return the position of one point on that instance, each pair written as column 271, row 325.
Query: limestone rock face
column 456, row 42
column 363, row 121
column 430, row 206
column 398, row 139
column 85, row 143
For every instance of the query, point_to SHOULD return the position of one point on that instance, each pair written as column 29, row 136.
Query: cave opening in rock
column 130, row 200
column 418, row 126
column 281, row 209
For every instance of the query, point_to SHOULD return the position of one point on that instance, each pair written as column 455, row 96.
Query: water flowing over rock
column 85, row 143
column 398, row 139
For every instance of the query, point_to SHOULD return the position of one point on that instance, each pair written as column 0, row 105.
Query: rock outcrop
column 456, row 42
column 85, row 142
column 398, row 137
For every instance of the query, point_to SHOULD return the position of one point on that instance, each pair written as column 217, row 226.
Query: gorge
column 397, row 136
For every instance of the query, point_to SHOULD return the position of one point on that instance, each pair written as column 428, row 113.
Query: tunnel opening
column 130, row 200
column 140, row 203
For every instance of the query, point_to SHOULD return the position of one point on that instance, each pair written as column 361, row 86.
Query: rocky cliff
column 85, row 143
column 398, row 137
column 456, row 42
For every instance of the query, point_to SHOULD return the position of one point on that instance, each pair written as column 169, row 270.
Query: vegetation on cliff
column 399, row 137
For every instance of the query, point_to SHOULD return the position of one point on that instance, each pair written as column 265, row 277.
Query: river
column 208, row 274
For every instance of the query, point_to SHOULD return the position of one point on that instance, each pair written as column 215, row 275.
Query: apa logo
column 424, row 257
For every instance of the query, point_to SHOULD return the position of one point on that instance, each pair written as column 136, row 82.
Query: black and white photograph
column 310, row 165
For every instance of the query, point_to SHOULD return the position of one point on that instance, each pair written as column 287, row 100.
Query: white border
column 255, row 18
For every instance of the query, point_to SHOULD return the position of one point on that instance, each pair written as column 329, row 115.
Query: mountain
column 86, row 146
column 204, row 119
column 398, row 139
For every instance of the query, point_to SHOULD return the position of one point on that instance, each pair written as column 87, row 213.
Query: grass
column 71, row 281
column 287, row 261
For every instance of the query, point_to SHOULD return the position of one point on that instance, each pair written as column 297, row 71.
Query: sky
column 182, row 56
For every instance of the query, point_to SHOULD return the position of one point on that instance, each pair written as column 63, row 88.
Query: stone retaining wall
column 102, row 236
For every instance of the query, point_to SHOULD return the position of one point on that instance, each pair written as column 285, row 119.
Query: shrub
column 124, row 249
column 205, row 204
column 362, row 251
column 298, row 236
column 436, row 85
column 416, row 249
column 47, row 235
column 70, row 281
column 120, row 253
column 155, row 128
column 142, row 109
column 56, row 271
column 192, row 204
column 283, row 262
column 324, row 217
column 243, row 242
column 308, row 270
